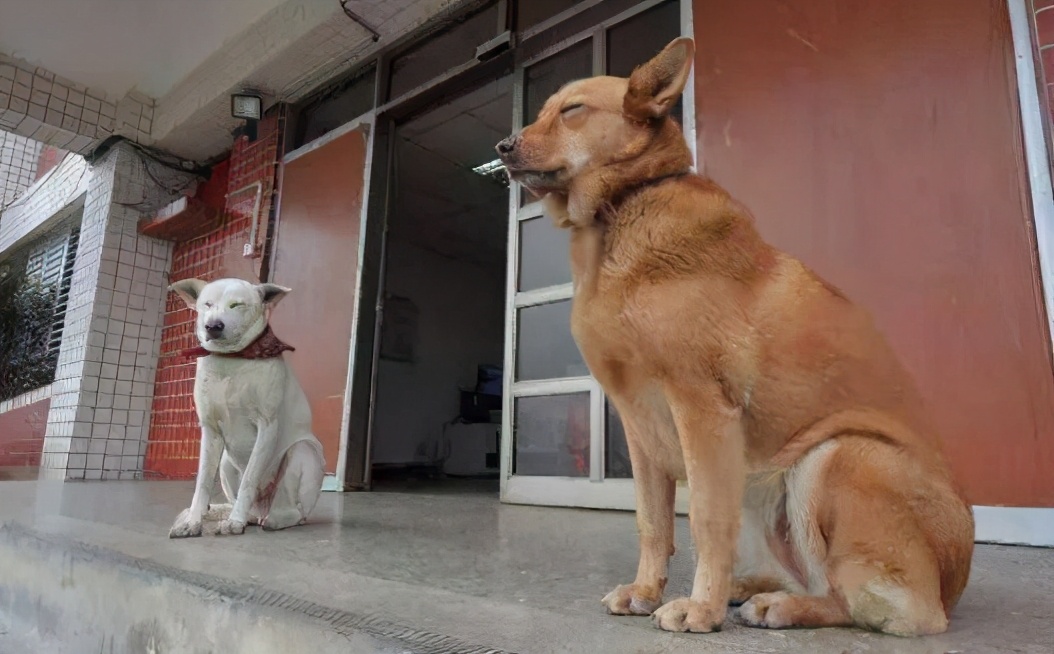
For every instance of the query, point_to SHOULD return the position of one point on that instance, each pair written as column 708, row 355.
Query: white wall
column 461, row 309
column 100, row 402
column 43, row 202
column 18, row 165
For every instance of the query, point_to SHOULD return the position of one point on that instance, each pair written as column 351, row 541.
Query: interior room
column 438, row 392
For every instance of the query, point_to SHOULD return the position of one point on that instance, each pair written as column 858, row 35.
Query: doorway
column 437, row 411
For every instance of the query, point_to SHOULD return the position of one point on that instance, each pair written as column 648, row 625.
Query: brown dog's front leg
column 655, row 495
column 712, row 440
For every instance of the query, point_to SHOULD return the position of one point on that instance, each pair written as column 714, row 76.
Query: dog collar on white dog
column 266, row 346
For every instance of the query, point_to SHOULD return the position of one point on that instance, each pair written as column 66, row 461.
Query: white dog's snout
column 214, row 327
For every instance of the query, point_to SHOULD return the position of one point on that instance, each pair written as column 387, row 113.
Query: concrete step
column 88, row 568
column 67, row 596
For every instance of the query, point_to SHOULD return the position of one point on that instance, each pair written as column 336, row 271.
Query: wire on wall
column 360, row 21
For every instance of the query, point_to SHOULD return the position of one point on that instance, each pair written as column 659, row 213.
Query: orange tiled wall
column 213, row 252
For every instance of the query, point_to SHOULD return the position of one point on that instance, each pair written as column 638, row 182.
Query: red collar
column 266, row 346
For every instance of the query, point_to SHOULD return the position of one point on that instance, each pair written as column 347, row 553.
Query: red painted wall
column 212, row 252
column 880, row 143
column 322, row 195
column 50, row 157
column 22, row 439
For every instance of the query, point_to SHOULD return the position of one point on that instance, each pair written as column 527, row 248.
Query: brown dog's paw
column 743, row 588
column 687, row 615
column 764, row 610
column 631, row 600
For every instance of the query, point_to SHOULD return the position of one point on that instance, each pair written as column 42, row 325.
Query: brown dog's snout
column 507, row 146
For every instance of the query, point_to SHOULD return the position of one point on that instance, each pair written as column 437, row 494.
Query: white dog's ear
column 271, row 293
column 655, row 85
column 189, row 290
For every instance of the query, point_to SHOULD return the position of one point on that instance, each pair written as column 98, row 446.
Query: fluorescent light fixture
column 489, row 168
column 246, row 105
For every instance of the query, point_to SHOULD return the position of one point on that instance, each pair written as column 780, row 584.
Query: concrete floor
column 454, row 562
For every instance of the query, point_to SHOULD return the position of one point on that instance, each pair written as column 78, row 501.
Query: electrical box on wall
column 248, row 250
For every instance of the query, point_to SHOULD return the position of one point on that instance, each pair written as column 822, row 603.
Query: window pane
column 345, row 104
column 586, row 19
column 546, row 77
column 545, row 348
column 544, row 254
column 531, row 12
column 551, row 435
column 642, row 37
column 438, row 54
column 616, row 452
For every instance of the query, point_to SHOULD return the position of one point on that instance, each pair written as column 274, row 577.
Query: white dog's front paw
column 186, row 525
column 232, row 527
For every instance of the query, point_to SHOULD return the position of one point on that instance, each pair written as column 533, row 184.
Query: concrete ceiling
column 120, row 45
column 167, row 67
column 440, row 203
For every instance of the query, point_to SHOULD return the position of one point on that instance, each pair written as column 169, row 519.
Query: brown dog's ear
column 189, row 290
column 271, row 294
column 655, row 86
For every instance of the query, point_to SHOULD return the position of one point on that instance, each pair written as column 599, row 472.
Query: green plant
column 27, row 313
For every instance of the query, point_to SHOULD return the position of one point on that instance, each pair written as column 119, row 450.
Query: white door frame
column 592, row 491
column 1030, row 526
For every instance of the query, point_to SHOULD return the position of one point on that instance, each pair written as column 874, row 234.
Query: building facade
column 901, row 149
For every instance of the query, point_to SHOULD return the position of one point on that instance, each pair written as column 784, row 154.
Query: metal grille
column 51, row 263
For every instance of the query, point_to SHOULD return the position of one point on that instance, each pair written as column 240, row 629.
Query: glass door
column 562, row 442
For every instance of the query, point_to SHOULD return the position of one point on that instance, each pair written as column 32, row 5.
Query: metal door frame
column 592, row 491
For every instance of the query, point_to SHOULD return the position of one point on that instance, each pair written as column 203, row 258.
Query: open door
column 355, row 464
column 316, row 253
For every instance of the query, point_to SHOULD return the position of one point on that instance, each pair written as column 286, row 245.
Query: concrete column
column 97, row 424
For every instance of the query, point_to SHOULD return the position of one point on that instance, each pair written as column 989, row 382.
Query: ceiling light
column 489, row 168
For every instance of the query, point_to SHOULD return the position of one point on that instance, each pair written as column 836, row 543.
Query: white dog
column 255, row 418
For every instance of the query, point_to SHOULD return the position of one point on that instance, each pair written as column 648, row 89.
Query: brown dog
column 733, row 365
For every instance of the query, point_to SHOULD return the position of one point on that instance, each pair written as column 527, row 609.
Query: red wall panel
column 22, row 439
column 316, row 254
column 880, row 143
column 50, row 157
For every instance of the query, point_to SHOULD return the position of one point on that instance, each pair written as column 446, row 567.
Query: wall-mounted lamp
column 249, row 106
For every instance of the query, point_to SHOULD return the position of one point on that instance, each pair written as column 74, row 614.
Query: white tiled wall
column 43, row 202
column 97, row 426
column 36, row 103
column 25, row 399
column 18, row 165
